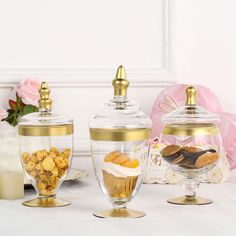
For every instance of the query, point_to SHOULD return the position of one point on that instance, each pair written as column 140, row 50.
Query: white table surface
column 161, row 218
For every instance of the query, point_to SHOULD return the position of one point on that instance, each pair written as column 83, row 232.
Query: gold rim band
column 191, row 130
column 45, row 130
column 120, row 134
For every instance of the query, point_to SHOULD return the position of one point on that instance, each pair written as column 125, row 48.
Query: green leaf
column 10, row 111
column 13, row 115
column 29, row 109
column 19, row 102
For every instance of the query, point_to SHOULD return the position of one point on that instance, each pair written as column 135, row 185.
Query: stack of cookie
column 189, row 157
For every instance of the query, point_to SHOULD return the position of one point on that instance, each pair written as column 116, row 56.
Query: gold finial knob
column 45, row 102
column 120, row 83
column 191, row 96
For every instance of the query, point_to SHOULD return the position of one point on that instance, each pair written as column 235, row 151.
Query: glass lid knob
column 45, row 103
column 120, row 83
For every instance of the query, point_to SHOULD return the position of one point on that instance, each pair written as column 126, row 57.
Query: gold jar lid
column 120, row 119
column 190, row 120
column 45, row 122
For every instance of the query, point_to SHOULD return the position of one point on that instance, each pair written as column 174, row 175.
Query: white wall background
column 76, row 45
column 205, row 46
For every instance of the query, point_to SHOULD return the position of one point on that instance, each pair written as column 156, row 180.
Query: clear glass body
column 120, row 164
column 193, row 146
column 120, row 189
column 120, row 113
column 46, row 159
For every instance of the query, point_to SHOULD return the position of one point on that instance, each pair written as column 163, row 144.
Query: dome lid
column 45, row 122
column 190, row 119
column 120, row 119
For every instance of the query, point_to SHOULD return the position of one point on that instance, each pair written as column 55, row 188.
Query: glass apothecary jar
column 192, row 145
column 120, row 147
column 46, row 147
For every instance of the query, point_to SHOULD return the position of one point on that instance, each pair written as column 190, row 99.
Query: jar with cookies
column 119, row 136
column 46, row 147
column 192, row 145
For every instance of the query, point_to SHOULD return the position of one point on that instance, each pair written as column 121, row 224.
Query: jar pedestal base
column 119, row 213
column 185, row 200
column 46, row 202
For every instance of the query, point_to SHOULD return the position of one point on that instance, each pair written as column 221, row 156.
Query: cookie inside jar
column 189, row 157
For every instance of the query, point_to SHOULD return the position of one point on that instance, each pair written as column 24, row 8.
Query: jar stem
column 119, row 205
column 190, row 184
column 46, row 196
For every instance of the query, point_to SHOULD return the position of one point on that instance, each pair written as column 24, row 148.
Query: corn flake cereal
column 47, row 168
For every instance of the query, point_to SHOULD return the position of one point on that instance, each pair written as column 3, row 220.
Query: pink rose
column 3, row 113
column 28, row 91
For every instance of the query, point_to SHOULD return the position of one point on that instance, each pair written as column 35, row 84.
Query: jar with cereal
column 46, row 147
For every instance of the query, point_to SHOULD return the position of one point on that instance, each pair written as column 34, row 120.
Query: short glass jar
column 192, row 145
column 46, row 147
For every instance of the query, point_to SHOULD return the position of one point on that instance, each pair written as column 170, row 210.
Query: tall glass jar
column 46, row 147
column 120, row 147
column 192, row 145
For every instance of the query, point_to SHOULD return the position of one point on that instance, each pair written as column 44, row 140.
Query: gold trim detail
column 191, row 130
column 119, row 213
column 46, row 202
column 187, row 200
column 119, row 134
column 45, row 130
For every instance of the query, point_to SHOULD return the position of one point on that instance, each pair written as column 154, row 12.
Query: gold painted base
column 184, row 200
column 119, row 213
column 46, row 202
